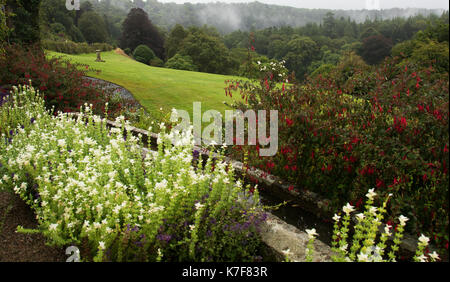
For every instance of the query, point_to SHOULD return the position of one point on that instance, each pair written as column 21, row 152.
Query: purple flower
column 196, row 154
column 164, row 237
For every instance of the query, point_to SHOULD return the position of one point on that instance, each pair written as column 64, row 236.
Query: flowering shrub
column 62, row 83
column 391, row 135
column 368, row 244
column 93, row 188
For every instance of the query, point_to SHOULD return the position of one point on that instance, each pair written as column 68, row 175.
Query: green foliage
column 375, row 49
column 24, row 21
column 390, row 133
column 69, row 47
column 156, row 62
column 93, row 27
column 62, row 82
column 301, row 51
column 115, row 204
column 4, row 29
column 180, row 62
column 324, row 70
column 175, row 40
column 137, row 30
column 208, row 53
column 143, row 54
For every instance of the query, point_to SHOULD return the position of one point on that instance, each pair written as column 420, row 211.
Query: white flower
column 422, row 258
column 61, row 142
column 348, row 209
column 198, row 206
column 287, row 252
column 101, row 245
column 373, row 210
column 53, row 226
column 360, row 216
column 363, row 257
column 387, row 230
column 336, row 217
column 434, row 256
column 311, row 233
column 371, row 194
column 424, row 239
column 403, row 220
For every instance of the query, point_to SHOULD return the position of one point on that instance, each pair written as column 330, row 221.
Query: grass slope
column 157, row 88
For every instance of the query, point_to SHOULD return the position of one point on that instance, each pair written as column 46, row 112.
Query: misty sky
column 340, row 4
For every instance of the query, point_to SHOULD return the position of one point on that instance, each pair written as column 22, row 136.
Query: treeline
column 227, row 18
column 306, row 50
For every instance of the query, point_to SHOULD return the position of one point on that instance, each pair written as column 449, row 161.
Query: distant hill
column 246, row 16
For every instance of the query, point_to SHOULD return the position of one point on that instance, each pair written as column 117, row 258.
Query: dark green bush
column 180, row 62
column 70, row 47
column 156, row 62
column 143, row 54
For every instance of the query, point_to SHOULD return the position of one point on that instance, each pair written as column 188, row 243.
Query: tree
column 4, row 29
column 375, row 49
column 208, row 53
column 137, row 29
column 93, row 27
column 301, row 51
column 143, row 54
column 174, row 41
column 329, row 25
column 24, row 23
column 180, row 62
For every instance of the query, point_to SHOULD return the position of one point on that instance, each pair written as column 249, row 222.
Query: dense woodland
column 309, row 41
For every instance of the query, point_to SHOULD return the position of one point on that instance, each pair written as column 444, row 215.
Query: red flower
column 289, row 122
column 379, row 183
column 291, row 187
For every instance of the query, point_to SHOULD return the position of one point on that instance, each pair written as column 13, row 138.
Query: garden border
column 309, row 201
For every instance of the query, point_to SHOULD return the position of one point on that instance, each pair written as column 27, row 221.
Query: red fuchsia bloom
column 291, row 187
column 283, row 88
column 407, row 92
column 294, row 168
column 289, row 122
column 286, row 167
column 445, row 149
column 420, row 107
column 355, row 140
column 379, row 183
column 270, row 165
column 267, row 84
column 425, row 177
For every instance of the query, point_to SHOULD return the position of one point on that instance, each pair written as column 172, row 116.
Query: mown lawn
column 157, row 88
